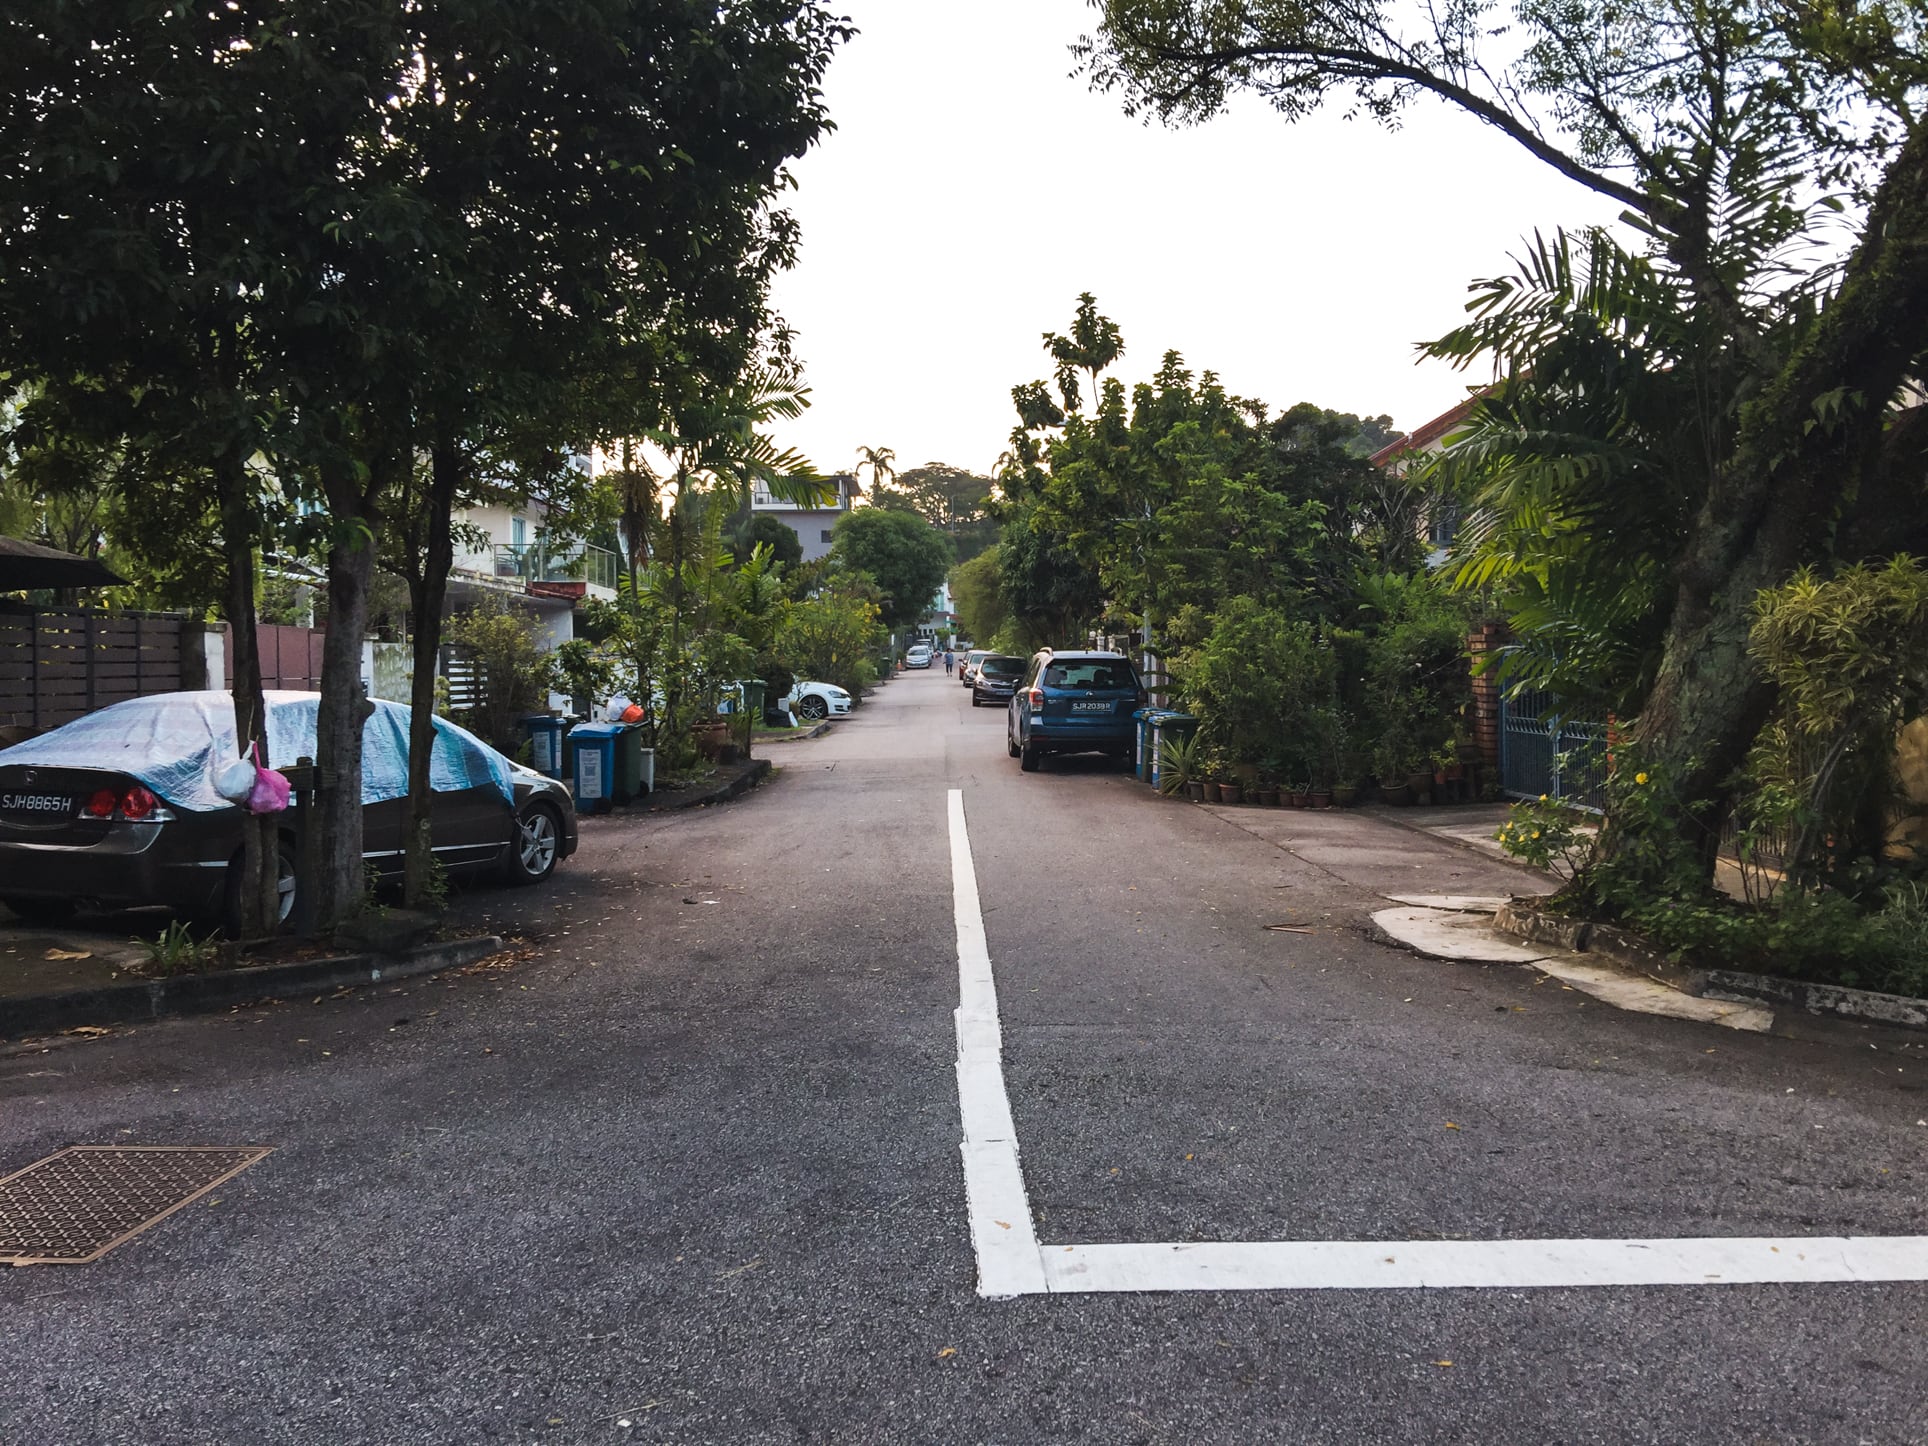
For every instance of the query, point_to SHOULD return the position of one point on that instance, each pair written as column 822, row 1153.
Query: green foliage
column 1262, row 684
column 832, row 637
column 977, row 592
column 1849, row 658
column 902, row 553
column 952, row 500
column 1550, row 834
column 177, row 952
column 517, row 673
column 1181, row 760
column 1415, row 683
column 763, row 530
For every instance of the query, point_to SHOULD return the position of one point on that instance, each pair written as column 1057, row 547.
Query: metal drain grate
column 74, row 1207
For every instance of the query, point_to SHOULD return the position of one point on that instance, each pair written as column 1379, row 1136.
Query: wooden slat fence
column 59, row 663
column 290, row 657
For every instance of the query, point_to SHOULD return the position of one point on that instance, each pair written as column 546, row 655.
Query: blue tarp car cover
column 174, row 742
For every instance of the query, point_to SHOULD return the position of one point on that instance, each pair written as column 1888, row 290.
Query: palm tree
column 882, row 463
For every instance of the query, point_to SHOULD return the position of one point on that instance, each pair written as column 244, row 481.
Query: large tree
column 902, row 553
column 952, row 500
column 348, row 237
column 1717, row 128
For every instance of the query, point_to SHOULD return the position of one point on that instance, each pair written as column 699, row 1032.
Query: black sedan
column 119, row 809
column 996, row 678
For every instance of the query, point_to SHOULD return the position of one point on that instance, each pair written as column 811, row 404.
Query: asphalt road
column 689, row 1172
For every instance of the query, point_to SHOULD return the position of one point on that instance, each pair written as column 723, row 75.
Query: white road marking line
column 1010, row 1261
column 998, row 1208
column 1484, row 1264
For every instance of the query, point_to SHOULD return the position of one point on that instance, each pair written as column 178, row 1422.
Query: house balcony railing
column 557, row 562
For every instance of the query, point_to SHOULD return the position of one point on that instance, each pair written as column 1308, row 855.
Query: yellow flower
column 1536, row 833
column 1543, row 798
column 1640, row 778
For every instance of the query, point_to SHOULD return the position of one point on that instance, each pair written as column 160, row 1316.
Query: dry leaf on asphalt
column 69, row 954
column 1442, row 1363
column 947, row 1351
column 1451, row 1126
column 1288, row 929
column 90, row 1031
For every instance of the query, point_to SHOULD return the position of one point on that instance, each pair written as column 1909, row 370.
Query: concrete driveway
column 691, row 1172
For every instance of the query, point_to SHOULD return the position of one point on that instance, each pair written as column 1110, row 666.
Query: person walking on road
column 949, row 659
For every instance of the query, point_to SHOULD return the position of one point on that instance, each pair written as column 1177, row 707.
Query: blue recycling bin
column 1170, row 723
column 1147, row 754
column 545, row 743
column 594, row 745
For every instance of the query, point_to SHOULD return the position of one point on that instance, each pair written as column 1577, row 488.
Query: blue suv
column 1073, row 703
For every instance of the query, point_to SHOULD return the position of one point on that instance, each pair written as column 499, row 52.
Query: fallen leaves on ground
column 60, row 954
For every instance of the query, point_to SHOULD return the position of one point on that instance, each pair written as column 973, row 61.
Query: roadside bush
column 516, row 674
column 831, row 638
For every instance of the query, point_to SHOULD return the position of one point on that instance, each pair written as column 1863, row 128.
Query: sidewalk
column 1446, row 881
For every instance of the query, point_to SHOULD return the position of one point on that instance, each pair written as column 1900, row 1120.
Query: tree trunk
column 427, row 597
column 257, row 897
column 335, row 844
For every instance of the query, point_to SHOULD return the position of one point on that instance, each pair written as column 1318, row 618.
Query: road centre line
column 1010, row 1261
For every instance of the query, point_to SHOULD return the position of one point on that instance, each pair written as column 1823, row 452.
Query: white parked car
column 814, row 701
column 919, row 656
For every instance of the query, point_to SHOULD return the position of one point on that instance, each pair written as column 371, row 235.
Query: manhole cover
column 74, row 1207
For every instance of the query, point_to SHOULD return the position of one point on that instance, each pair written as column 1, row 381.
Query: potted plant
column 1230, row 790
column 1302, row 793
column 1267, row 789
column 1179, row 762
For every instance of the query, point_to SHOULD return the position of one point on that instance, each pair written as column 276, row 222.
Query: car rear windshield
column 1092, row 676
column 1001, row 667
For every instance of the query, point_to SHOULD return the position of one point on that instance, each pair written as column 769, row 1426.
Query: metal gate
column 1544, row 752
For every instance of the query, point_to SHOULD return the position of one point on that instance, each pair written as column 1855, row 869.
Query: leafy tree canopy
column 902, row 553
column 952, row 500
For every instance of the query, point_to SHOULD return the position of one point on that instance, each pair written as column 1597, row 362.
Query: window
column 518, row 531
column 1092, row 676
column 824, row 535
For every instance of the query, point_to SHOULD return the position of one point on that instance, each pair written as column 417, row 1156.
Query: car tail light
column 137, row 803
column 101, row 805
column 1036, row 697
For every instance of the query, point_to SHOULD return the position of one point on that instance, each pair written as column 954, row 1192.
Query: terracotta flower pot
column 1195, row 791
column 1345, row 795
column 1300, row 798
column 1231, row 791
column 1321, row 798
column 1268, row 796
column 1398, row 794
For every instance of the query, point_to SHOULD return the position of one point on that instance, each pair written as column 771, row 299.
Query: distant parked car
column 918, row 656
column 1073, row 703
column 968, row 669
column 815, row 701
column 996, row 678
column 119, row 810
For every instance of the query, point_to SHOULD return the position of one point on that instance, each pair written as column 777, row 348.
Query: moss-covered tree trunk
column 335, row 843
column 255, row 896
column 427, row 597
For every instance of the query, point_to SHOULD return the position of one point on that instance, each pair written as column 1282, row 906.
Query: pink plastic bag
column 270, row 791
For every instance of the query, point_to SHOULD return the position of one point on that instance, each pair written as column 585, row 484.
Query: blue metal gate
column 1542, row 752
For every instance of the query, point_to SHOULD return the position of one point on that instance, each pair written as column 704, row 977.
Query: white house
column 812, row 525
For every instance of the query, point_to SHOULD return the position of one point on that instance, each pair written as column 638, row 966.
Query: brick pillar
column 1487, row 638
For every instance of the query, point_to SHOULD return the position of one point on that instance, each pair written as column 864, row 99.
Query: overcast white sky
column 972, row 189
